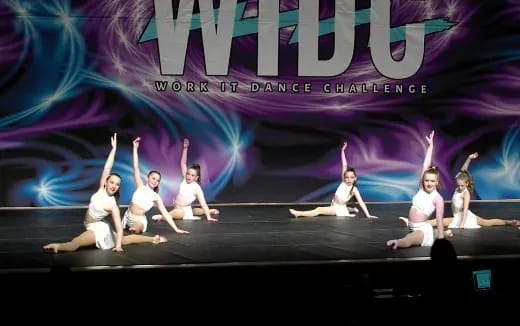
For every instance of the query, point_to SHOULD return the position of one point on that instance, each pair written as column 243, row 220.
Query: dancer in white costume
column 424, row 203
column 189, row 190
column 99, row 232
column 144, row 197
column 462, row 217
column 345, row 191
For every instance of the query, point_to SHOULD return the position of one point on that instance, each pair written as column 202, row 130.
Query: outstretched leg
column 176, row 214
column 315, row 212
column 496, row 222
column 135, row 238
column 447, row 234
column 197, row 211
column 85, row 239
column 414, row 238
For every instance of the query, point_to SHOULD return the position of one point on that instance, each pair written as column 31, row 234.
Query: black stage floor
column 262, row 242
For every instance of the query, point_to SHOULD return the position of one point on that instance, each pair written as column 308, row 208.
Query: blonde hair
column 465, row 177
column 432, row 170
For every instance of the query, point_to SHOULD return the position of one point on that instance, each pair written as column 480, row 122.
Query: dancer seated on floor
column 189, row 190
column 462, row 217
column 144, row 197
column 102, row 203
column 424, row 203
column 345, row 191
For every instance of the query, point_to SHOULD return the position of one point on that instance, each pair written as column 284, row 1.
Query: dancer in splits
column 144, row 197
column 189, row 190
column 103, row 203
column 462, row 217
column 424, row 203
column 345, row 191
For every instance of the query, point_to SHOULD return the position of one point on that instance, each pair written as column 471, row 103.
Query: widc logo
column 220, row 25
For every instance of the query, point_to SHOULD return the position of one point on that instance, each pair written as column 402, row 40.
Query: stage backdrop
column 266, row 91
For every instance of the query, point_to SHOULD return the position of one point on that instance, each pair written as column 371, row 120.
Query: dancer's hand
column 136, row 142
column 344, row 147
column 473, row 156
column 211, row 219
column 113, row 140
column 186, row 143
column 429, row 138
column 117, row 249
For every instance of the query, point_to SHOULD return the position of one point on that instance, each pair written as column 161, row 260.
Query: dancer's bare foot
column 392, row 243
column 404, row 219
column 211, row 219
column 513, row 222
column 157, row 218
column 132, row 229
column 293, row 212
column 159, row 239
column 52, row 246
column 214, row 211
column 448, row 234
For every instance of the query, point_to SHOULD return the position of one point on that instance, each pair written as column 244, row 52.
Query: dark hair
column 443, row 253
column 466, row 177
column 196, row 167
column 156, row 189
column 432, row 170
column 355, row 181
column 117, row 194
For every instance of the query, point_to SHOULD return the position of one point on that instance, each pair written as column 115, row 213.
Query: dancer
column 189, row 190
column 345, row 191
column 424, row 203
column 462, row 217
column 144, row 197
column 102, row 203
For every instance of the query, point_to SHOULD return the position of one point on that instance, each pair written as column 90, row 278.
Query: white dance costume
column 103, row 232
column 188, row 192
column 457, row 207
column 344, row 193
column 424, row 203
column 143, row 197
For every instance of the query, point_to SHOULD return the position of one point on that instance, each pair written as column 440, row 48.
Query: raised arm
column 184, row 158
column 116, row 217
column 164, row 212
column 343, row 160
column 204, row 205
column 109, row 163
column 137, row 176
column 428, row 156
column 465, row 166
column 362, row 203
